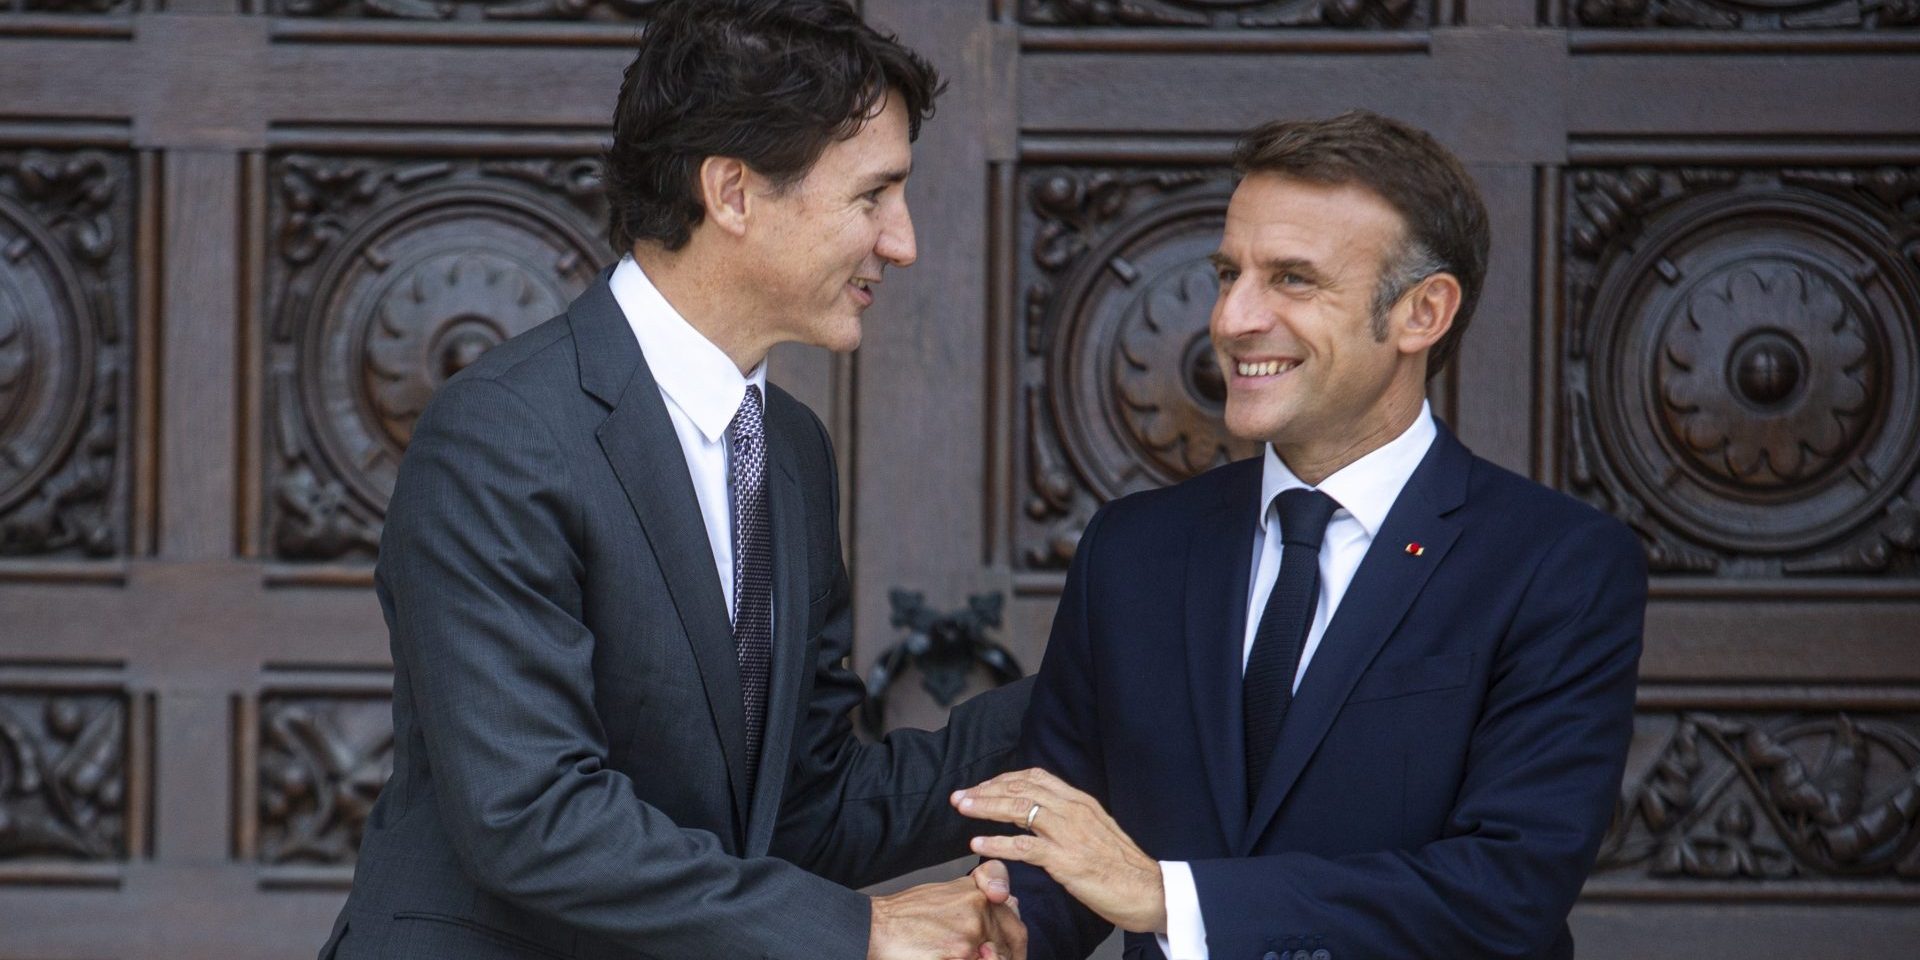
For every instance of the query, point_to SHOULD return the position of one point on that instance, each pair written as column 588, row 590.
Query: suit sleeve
column 1062, row 735
column 479, row 561
column 860, row 813
column 1542, row 775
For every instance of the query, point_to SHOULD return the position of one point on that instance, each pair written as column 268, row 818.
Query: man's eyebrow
column 1272, row 265
column 1293, row 264
column 889, row 177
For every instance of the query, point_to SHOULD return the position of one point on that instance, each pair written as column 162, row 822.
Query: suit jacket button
column 1271, row 956
column 1323, row 954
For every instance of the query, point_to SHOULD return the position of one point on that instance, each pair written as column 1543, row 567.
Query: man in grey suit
column 611, row 568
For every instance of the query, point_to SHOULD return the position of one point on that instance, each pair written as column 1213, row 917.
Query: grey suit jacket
column 569, row 771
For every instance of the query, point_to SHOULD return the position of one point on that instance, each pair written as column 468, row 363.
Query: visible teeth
column 1266, row 369
column 862, row 284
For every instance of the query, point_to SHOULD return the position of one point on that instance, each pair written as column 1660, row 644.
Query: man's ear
column 723, row 191
column 1429, row 311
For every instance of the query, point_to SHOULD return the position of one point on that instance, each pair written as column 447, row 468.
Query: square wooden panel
column 1768, row 17
column 1115, row 384
column 1231, row 14
column 488, row 11
column 1729, row 788
column 323, row 757
column 1740, row 354
column 385, row 275
column 67, row 353
column 68, row 789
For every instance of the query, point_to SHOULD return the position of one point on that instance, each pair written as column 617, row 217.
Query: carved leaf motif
column 1223, row 14
column 501, row 10
column 63, row 336
column 1750, row 15
column 62, row 786
column 323, row 763
column 1773, row 796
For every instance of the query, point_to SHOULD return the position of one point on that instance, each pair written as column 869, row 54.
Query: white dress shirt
column 1365, row 490
column 703, row 390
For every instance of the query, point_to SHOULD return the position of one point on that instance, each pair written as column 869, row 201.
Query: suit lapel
column 645, row 454
column 789, row 631
column 1384, row 587
column 1219, row 559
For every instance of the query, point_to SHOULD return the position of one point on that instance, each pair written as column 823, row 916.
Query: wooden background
column 241, row 241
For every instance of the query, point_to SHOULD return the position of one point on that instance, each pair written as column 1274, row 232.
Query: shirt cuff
column 1186, row 936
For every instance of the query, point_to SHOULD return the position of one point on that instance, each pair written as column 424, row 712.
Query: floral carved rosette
column 398, row 275
column 1743, row 366
column 1120, row 387
column 65, row 352
column 1767, row 376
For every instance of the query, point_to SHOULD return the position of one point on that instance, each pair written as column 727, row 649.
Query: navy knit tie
column 1267, row 688
column 752, row 568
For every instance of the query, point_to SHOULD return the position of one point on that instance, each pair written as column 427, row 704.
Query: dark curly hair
column 1446, row 221
column 768, row 82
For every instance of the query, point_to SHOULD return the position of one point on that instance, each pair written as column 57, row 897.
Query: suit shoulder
column 533, row 354
column 1171, row 508
column 536, row 369
column 1527, row 506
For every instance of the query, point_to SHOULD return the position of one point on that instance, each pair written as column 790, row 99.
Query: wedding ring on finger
column 1031, row 813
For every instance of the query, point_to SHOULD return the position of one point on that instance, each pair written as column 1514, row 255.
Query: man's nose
column 1239, row 312
column 896, row 244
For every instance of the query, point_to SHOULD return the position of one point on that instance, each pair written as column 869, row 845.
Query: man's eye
column 1226, row 275
column 1291, row 279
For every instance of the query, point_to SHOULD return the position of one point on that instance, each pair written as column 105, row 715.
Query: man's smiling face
column 1293, row 329
column 829, row 237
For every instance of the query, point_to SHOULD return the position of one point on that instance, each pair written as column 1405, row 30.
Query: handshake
column 974, row 917
column 1068, row 834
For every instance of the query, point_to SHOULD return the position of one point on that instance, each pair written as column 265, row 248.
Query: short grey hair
column 1409, row 265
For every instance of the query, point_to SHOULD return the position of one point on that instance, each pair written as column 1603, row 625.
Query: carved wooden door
column 241, row 242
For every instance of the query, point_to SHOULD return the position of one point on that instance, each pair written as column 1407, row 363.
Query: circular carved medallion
column 415, row 295
column 47, row 347
column 1136, row 391
column 1755, row 369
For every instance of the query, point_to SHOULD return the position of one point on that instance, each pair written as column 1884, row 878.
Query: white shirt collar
column 1365, row 488
column 693, row 374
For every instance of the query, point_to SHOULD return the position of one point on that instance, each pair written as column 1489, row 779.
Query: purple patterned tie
column 752, row 567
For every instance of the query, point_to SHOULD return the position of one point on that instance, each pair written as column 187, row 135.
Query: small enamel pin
column 1414, row 550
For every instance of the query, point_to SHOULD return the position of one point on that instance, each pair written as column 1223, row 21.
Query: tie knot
column 748, row 422
column 1303, row 516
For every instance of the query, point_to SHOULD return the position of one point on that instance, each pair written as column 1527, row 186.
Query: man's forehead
column 1308, row 216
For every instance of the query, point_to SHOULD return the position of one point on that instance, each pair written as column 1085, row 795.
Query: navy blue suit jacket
column 1449, row 763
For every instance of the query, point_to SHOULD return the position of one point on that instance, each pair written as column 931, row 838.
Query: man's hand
column 962, row 919
column 1075, row 842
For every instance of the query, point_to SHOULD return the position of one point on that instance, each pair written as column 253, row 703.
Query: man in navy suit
column 1366, row 695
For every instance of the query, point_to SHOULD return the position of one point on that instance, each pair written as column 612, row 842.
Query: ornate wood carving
column 1768, row 796
column 65, row 337
column 1119, row 390
column 323, row 760
column 1747, row 14
column 70, row 6
column 1742, row 365
column 391, row 276
column 62, row 775
column 494, row 10
column 1228, row 14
